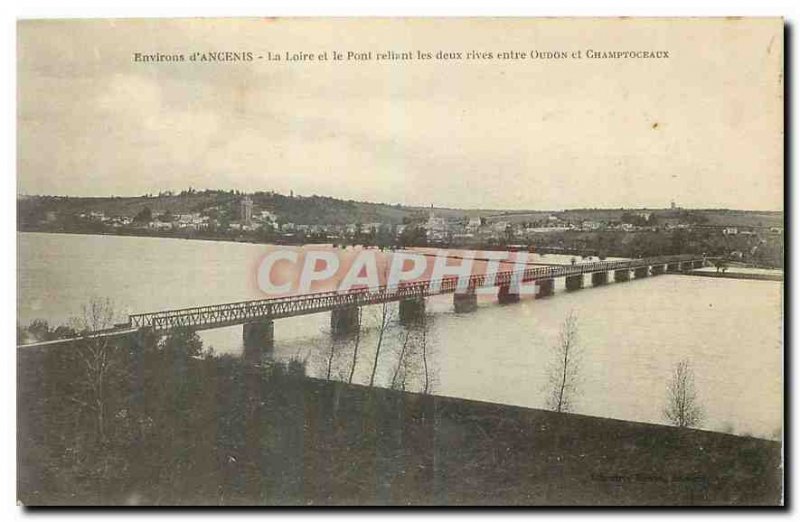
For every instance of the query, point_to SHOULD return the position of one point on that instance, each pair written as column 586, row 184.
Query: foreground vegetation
column 162, row 422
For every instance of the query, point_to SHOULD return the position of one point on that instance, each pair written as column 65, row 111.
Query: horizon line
column 416, row 206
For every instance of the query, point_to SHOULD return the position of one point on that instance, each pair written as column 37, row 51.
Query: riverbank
column 160, row 234
column 736, row 275
column 199, row 236
column 293, row 242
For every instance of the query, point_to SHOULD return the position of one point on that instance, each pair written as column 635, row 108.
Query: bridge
column 257, row 316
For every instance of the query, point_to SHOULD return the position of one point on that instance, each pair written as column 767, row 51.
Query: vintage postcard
column 437, row 262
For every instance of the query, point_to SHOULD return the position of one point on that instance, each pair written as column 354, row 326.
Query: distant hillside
column 710, row 217
column 299, row 210
column 326, row 210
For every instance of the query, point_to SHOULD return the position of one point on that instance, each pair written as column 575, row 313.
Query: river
column 630, row 334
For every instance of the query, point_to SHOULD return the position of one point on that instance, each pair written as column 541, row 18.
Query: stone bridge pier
column 622, row 275
column 642, row 271
column 546, row 287
column 507, row 295
column 344, row 320
column 599, row 278
column 411, row 310
column 574, row 282
column 258, row 338
column 465, row 302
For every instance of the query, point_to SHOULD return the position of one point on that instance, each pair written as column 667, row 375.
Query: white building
column 500, row 226
column 436, row 227
column 266, row 216
column 246, row 210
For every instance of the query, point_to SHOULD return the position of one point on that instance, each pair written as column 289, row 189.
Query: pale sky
column 703, row 127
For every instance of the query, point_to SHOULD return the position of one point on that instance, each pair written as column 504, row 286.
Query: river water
column 630, row 335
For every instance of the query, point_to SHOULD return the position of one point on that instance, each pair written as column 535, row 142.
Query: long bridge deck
column 244, row 312
column 228, row 314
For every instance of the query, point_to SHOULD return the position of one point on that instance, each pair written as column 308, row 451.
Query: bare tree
column 683, row 409
column 335, row 359
column 385, row 317
column 331, row 351
column 423, row 345
column 402, row 368
column 413, row 369
column 356, row 342
column 98, row 357
column 565, row 368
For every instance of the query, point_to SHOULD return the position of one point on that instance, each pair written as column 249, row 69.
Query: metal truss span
column 228, row 314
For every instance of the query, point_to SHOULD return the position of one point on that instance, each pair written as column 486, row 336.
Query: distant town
column 752, row 237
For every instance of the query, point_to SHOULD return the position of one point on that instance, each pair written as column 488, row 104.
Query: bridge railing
column 242, row 311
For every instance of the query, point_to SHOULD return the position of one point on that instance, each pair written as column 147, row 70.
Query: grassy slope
column 226, row 435
column 450, row 451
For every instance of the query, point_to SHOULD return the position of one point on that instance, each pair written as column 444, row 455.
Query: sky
column 703, row 128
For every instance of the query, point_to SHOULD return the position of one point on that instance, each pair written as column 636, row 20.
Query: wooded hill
column 326, row 210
